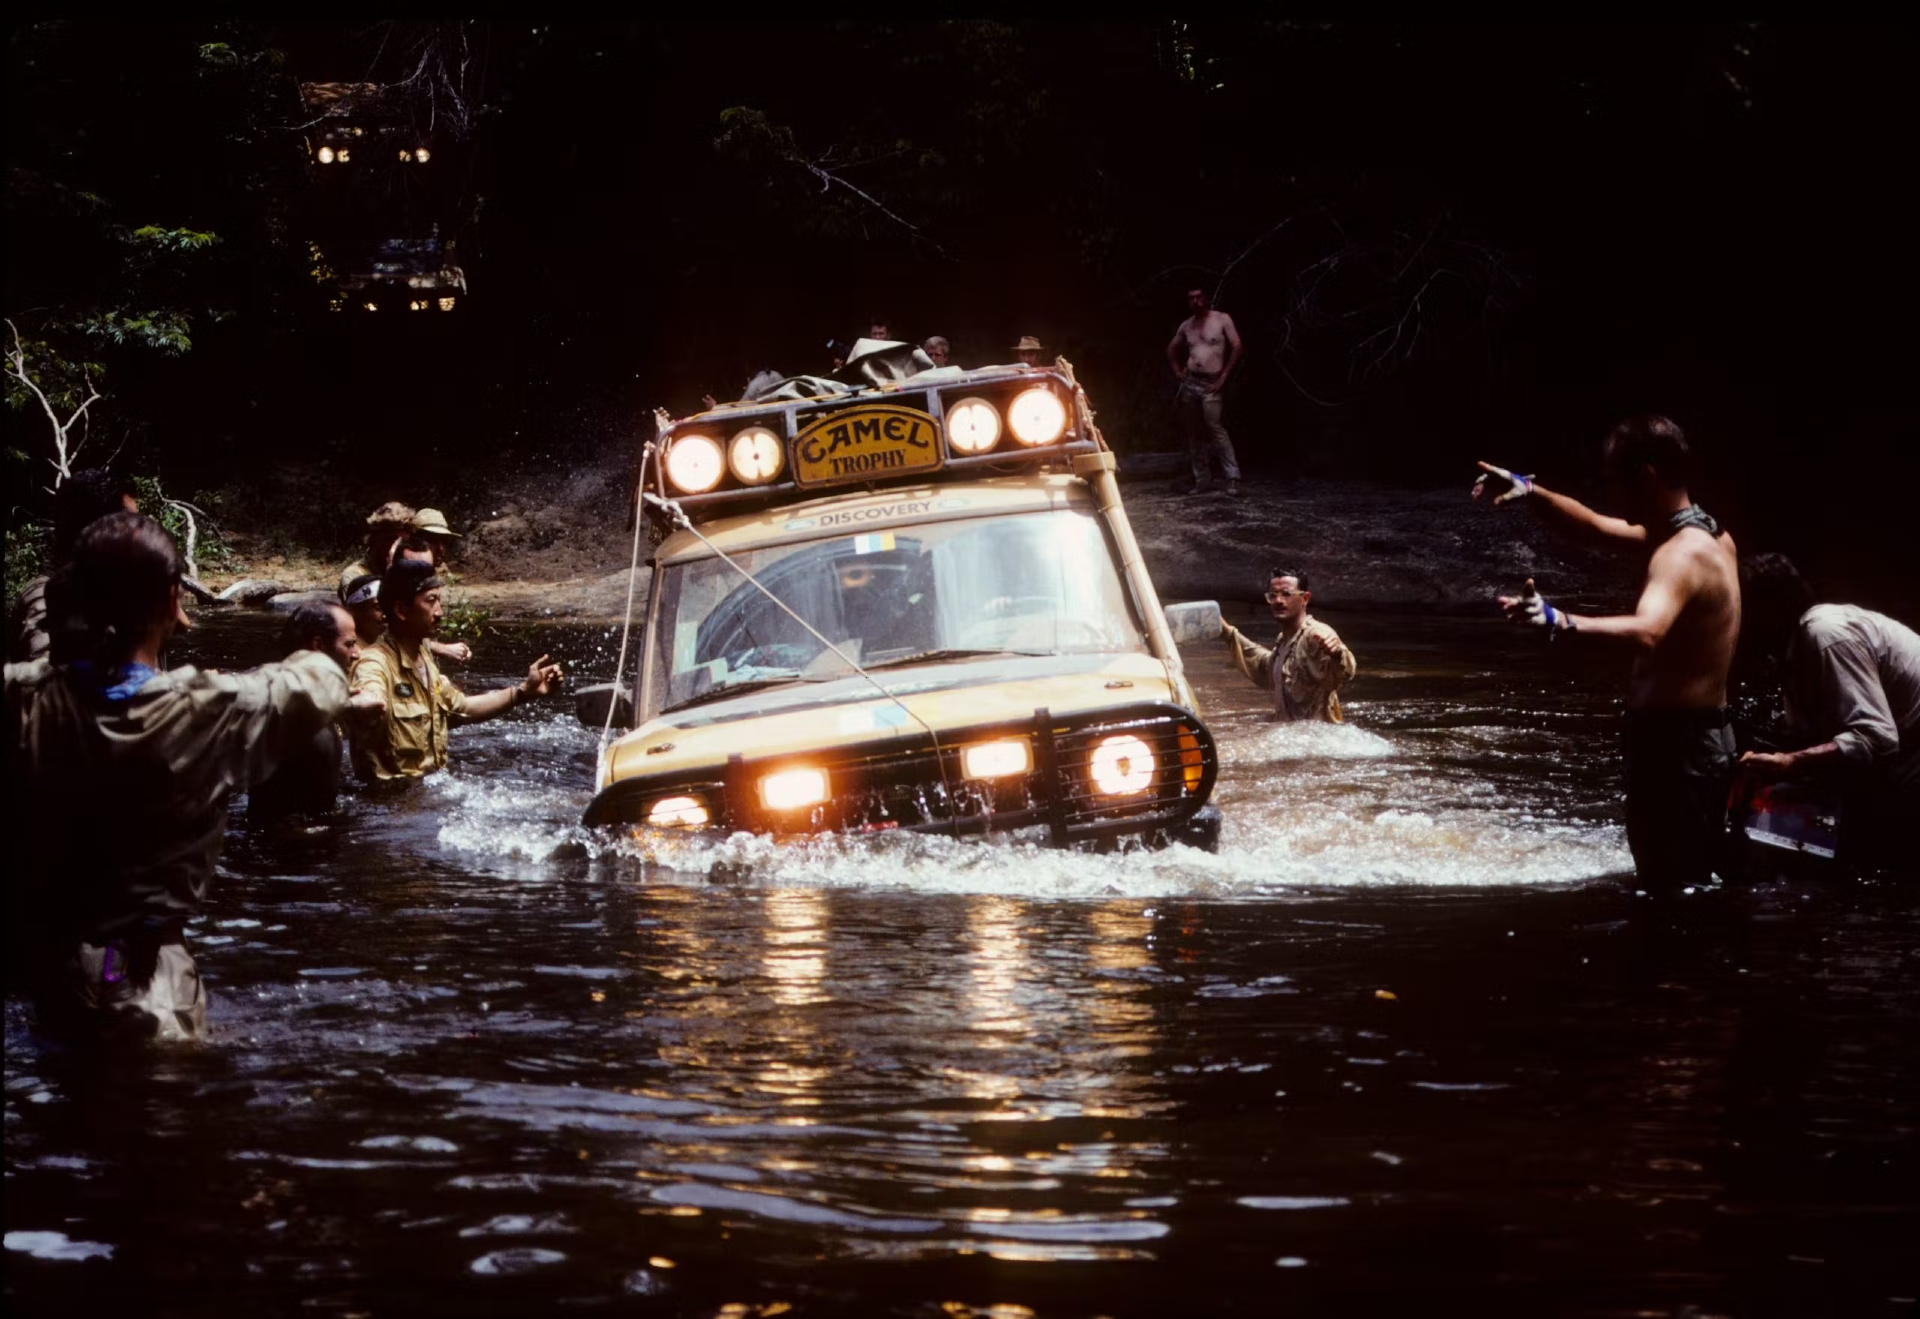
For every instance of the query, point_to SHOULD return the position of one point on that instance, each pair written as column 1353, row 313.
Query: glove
column 1537, row 611
column 1517, row 486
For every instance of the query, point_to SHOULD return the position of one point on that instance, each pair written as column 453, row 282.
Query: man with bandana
column 1678, row 740
column 409, row 738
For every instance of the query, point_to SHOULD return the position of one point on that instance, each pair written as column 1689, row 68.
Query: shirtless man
column 1203, row 353
column 1678, row 743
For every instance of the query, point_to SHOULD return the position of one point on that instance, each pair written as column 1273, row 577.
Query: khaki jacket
column 1299, row 672
column 410, row 739
column 127, row 802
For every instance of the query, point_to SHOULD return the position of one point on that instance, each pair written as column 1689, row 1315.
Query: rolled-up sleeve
column 1853, row 704
column 1250, row 657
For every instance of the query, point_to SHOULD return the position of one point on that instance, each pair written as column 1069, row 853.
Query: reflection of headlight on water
column 1123, row 765
column 1037, row 417
column 677, row 813
column 792, row 789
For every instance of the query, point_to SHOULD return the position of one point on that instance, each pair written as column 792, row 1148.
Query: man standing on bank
column 1308, row 663
column 1678, row 740
column 410, row 739
column 1203, row 354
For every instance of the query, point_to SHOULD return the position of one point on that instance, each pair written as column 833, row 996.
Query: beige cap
column 432, row 522
column 1028, row 344
column 391, row 513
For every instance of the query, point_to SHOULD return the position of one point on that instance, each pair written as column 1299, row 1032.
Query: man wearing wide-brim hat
column 385, row 526
column 1028, row 350
column 432, row 524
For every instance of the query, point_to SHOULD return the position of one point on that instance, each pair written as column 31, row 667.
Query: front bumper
column 908, row 783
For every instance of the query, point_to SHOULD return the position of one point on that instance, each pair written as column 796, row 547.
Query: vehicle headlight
column 996, row 760
column 973, row 426
column 756, row 455
column 324, row 155
column 694, row 464
column 1037, row 416
column 792, row 789
column 1123, row 765
column 678, row 813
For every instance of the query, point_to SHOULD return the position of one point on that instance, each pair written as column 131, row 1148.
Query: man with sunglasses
column 1307, row 664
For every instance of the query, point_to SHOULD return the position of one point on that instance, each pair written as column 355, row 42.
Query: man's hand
column 363, row 706
column 1533, row 608
column 1329, row 643
column 457, row 651
column 1769, row 765
column 541, row 677
column 709, row 402
column 1216, row 386
column 1504, row 486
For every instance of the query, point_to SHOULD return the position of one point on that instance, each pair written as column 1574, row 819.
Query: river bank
column 562, row 552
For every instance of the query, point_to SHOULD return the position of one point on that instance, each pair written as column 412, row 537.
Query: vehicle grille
column 900, row 785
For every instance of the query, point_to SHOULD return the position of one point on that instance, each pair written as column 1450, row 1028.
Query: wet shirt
column 357, row 568
column 1854, row 679
column 410, row 738
column 128, row 797
column 1299, row 672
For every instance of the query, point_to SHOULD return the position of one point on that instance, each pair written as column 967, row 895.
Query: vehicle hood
column 950, row 697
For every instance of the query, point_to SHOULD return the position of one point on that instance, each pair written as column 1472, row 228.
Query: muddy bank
column 565, row 556
column 1362, row 545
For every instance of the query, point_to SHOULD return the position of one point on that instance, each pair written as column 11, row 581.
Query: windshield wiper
column 931, row 656
column 730, row 689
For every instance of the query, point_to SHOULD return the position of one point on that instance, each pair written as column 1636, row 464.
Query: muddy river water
column 1406, row 1044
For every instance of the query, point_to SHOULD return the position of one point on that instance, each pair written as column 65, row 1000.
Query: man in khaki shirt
column 409, row 739
column 1307, row 665
column 126, row 773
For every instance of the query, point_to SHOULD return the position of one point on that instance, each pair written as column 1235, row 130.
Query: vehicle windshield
column 1032, row 584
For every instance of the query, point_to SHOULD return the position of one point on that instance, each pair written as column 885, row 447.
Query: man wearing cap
column 1028, row 350
column 385, row 526
column 410, row 739
column 1203, row 353
column 1308, row 663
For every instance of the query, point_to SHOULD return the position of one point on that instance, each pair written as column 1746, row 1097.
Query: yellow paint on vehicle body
column 702, row 752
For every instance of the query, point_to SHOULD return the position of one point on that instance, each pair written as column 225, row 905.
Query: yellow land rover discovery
column 916, row 605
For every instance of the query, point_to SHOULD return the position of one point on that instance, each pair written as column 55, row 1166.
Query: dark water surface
column 1405, row 1045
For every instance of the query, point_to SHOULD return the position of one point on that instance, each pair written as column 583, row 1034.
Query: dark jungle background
column 1440, row 244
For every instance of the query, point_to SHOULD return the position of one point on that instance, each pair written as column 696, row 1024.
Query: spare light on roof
column 324, row 155
column 756, row 455
column 694, row 463
column 422, row 155
column 973, row 426
column 1037, row 416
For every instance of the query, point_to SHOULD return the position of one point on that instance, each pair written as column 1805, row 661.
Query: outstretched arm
column 1646, row 627
column 1499, row 487
column 540, row 679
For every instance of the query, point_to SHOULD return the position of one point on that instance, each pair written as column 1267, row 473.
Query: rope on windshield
column 671, row 507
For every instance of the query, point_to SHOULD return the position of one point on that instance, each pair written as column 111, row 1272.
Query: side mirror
column 1196, row 620
column 590, row 705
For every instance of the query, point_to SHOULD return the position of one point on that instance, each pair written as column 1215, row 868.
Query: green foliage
column 465, row 621
column 162, row 330
column 62, row 376
column 27, row 544
column 210, row 547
